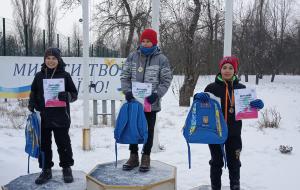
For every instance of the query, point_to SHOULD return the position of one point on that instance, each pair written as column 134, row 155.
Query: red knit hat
column 149, row 34
column 231, row 60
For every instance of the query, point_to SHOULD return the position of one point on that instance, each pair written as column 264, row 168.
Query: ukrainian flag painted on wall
column 17, row 92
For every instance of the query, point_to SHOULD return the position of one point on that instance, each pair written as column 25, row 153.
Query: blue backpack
column 205, row 124
column 32, row 137
column 131, row 125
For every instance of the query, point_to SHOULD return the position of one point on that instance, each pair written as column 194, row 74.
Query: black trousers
column 233, row 147
column 151, row 118
column 63, row 142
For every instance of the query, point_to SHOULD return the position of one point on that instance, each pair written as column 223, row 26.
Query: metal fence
column 12, row 44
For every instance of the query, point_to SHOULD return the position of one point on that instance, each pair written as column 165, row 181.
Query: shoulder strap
column 189, row 155
column 224, row 155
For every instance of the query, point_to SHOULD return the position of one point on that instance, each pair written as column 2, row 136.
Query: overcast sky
column 64, row 24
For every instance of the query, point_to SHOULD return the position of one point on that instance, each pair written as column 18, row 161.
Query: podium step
column 106, row 177
column 26, row 182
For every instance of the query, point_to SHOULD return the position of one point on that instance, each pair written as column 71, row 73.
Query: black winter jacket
column 218, row 88
column 53, row 117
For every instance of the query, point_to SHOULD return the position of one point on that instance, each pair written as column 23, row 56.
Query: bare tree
column 191, row 71
column 280, row 12
column 114, row 16
column 26, row 17
column 213, row 21
column 69, row 4
column 51, row 14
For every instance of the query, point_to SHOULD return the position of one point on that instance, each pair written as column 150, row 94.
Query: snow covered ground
column 263, row 166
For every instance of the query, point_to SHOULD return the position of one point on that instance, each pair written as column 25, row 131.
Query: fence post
column 113, row 113
column 44, row 40
column 95, row 112
column 78, row 49
column 69, row 46
column 57, row 40
column 104, row 111
column 4, row 40
column 26, row 39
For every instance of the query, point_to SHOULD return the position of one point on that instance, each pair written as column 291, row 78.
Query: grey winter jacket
column 156, row 70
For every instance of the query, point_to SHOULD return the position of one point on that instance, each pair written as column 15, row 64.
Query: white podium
column 108, row 177
column 26, row 182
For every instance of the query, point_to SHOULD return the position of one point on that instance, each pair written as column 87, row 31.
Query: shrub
column 270, row 119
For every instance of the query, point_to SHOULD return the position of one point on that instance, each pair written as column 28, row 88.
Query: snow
column 263, row 166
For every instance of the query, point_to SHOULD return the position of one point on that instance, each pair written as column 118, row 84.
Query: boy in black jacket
column 54, row 119
column 223, row 87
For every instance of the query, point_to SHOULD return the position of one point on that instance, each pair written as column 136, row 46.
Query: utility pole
column 228, row 27
column 86, row 133
column 155, row 25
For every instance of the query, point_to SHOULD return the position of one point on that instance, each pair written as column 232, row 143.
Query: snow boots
column 132, row 162
column 45, row 175
column 145, row 163
column 67, row 175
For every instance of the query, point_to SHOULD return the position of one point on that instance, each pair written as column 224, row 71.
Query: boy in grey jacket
column 146, row 65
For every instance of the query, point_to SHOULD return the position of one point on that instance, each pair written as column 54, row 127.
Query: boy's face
column 147, row 43
column 227, row 71
column 51, row 62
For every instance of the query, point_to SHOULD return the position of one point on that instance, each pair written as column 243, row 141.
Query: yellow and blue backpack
column 205, row 124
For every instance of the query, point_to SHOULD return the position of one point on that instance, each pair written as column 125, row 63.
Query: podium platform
column 26, row 182
column 207, row 187
column 107, row 177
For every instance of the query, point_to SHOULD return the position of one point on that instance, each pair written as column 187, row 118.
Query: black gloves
column 129, row 96
column 152, row 98
column 64, row 96
column 30, row 108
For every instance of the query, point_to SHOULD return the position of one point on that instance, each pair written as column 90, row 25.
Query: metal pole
column 104, row 111
column 57, row 40
column 26, row 39
column 113, row 113
column 69, row 47
column 4, row 40
column 78, row 48
column 95, row 112
column 155, row 16
column 228, row 27
column 85, row 15
column 155, row 25
column 44, row 40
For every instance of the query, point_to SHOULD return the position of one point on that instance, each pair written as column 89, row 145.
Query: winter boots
column 145, row 163
column 45, row 175
column 132, row 162
column 67, row 175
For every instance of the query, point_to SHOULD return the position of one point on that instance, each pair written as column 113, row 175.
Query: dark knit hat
column 53, row 52
column 149, row 34
column 231, row 60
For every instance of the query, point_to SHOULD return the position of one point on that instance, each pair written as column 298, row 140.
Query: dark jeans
column 233, row 147
column 151, row 118
column 63, row 142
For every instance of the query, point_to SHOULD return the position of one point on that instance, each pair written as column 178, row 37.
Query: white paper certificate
column 243, row 97
column 51, row 89
column 141, row 90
